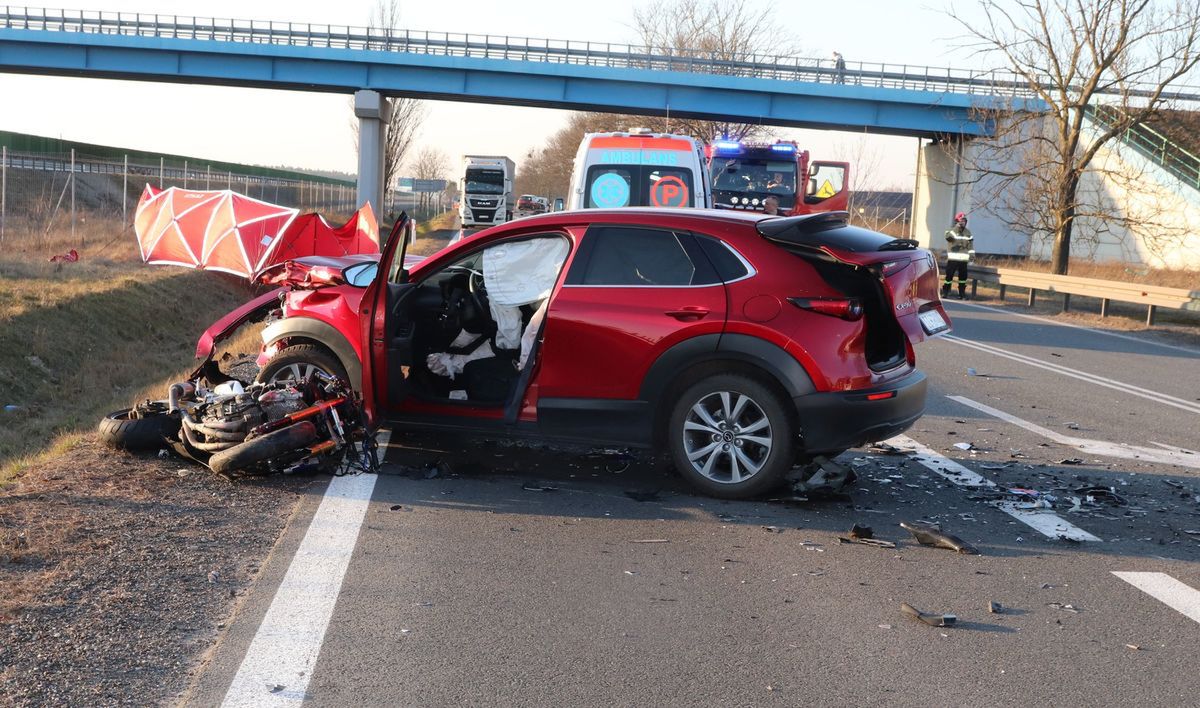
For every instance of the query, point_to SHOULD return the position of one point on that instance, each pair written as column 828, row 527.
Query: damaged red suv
column 741, row 344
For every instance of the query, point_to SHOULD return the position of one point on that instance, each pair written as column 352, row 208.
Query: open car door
column 828, row 187
column 386, row 330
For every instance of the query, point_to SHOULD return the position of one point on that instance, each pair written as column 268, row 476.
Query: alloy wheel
column 727, row 437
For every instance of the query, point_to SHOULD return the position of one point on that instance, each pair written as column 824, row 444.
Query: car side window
column 641, row 257
column 729, row 266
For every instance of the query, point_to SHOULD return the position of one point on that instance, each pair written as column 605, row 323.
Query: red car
column 742, row 343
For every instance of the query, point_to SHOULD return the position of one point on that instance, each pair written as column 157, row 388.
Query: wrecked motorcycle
column 233, row 427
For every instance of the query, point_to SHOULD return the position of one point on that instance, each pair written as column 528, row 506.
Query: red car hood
column 299, row 274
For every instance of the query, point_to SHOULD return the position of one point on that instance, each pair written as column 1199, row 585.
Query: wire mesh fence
column 49, row 196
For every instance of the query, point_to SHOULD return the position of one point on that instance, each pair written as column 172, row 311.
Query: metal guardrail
column 1155, row 146
column 603, row 54
column 1152, row 296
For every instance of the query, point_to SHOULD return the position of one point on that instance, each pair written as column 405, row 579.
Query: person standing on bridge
column 960, row 246
column 839, row 68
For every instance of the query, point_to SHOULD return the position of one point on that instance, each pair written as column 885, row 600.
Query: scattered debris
column 933, row 620
column 1108, row 495
column 1066, row 608
column 865, row 535
column 824, row 478
column 887, row 449
column 631, row 572
column 1071, row 461
column 964, row 446
column 535, row 487
column 275, row 688
column 651, row 540
column 995, row 608
column 772, row 529
column 1134, row 647
column 70, row 256
column 931, row 535
column 885, row 626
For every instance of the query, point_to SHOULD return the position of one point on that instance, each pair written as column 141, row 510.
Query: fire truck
column 745, row 174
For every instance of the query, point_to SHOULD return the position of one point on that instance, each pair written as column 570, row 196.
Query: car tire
column 136, row 429
column 732, row 436
column 298, row 361
column 254, row 452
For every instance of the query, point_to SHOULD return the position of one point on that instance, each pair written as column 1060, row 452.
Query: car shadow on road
column 1143, row 515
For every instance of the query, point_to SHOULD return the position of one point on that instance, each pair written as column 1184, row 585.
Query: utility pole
column 125, row 191
column 73, row 194
column 3, row 188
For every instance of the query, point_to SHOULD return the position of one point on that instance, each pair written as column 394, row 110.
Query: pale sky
column 312, row 130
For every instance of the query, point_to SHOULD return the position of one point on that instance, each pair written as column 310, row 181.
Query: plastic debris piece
column 963, row 446
column 865, row 535
column 1134, row 647
column 1071, row 461
column 1107, row 495
column 651, row 540
column 534, row 487
column 772, row 529
column 825, row 478
column 933, row 620
column 995, row 608
column 1065, row 608
column 929, row 535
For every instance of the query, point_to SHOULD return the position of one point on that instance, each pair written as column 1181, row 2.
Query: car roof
column 632, row 214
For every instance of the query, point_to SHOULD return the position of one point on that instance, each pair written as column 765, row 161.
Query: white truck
column 486, row 191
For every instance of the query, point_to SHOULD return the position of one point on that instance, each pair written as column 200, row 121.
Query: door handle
column 688, row 314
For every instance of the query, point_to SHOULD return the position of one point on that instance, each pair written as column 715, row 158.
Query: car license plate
column 932, row 321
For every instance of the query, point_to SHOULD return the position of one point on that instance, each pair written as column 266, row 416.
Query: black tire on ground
column 297, row 359
column 732, row 436
column 251, row 453
column 130, row 430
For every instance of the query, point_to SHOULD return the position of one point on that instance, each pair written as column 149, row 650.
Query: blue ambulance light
column 727, row 146
column 783, row 147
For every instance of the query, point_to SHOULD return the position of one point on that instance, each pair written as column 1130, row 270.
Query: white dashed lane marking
column 279, row 663
column 1043, row 521
column 1167, row 590
column 1163, row 454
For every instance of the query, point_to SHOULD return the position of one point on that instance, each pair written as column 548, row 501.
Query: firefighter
column 960, row 246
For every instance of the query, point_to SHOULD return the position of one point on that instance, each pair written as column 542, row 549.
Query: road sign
column 428, row 185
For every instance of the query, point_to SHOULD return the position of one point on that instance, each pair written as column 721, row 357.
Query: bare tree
column 547, row 171
column 407, row 114
column 722, row 30
column 1101, row 68
column 430, row 163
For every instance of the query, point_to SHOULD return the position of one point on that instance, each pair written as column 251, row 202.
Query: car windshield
column 754, row 179
column 485, row 181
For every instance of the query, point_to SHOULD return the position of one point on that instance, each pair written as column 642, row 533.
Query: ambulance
column 614, row 170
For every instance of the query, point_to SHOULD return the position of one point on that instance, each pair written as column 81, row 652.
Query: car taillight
column 845, row 308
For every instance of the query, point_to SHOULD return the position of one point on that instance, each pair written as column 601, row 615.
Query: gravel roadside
column 119, row 571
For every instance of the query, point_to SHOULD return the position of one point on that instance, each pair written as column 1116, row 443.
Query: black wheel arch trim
column 322, row 333
column 783, row 367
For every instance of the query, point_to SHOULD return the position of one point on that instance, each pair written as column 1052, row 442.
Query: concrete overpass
column 773, row 90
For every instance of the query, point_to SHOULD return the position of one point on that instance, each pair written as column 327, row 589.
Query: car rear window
column 631, row 256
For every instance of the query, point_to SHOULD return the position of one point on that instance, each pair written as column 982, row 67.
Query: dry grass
column 1162, row 277
column 80, row 339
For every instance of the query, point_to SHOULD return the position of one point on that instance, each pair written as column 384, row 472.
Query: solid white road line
column 1043, row 521
column 280, row 660
column 382, row 438
column 1130, row 389
column 1093, row 330
column 1162, row 454
column 1167, row 590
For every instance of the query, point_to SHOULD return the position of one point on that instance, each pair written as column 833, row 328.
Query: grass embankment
column 78, row 340
column 433, row 234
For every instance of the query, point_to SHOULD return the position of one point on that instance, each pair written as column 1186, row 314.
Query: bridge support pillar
column 372, row 111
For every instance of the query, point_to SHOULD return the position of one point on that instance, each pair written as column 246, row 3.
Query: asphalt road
column 473, row 586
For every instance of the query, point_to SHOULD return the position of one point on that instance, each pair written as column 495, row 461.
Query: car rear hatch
column 895, row 281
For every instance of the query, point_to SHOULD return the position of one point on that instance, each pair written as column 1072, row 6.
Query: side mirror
column 559, row 205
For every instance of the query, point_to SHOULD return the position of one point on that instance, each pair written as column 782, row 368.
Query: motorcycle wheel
column 263, row 449
column 140, row 428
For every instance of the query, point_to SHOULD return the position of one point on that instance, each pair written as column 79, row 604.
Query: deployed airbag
column 518, row 274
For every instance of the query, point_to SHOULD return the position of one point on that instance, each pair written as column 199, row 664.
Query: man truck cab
column 615, row 170
column 745, row 174
column 486, row 190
